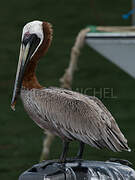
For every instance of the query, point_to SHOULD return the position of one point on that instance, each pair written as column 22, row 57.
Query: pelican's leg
column 64, row 152
column 80, row 151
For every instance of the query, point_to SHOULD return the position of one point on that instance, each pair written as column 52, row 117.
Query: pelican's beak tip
column 13, row 106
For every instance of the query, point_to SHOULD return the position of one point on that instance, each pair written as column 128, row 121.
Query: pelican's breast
column 32, row 100
column 32, row 108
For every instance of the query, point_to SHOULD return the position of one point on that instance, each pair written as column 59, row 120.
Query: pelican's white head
column 34, row 27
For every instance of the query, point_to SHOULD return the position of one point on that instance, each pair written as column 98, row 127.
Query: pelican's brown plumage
column 67, row 114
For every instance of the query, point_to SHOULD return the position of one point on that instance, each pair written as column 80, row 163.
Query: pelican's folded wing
column 84, row 118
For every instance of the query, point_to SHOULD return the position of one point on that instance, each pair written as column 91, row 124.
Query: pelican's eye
column 30, row 38
column 31, row 41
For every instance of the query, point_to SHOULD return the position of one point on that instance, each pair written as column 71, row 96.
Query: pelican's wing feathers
column 81, row 117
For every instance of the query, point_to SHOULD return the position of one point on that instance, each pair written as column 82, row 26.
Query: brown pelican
column 65, row 113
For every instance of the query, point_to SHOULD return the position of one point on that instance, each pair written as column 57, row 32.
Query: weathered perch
column 80, row 169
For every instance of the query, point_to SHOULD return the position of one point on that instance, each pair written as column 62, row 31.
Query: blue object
column 126, row 16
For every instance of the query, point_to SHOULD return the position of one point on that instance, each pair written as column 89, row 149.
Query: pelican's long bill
column 28, row 47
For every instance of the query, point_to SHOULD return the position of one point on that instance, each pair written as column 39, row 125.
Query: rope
column 66, row 80
column 116, row 28
column 46, row 145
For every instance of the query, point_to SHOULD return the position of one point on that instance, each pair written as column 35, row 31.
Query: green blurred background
column 21, row 139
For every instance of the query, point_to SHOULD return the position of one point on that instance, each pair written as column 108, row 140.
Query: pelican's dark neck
column 29, row 80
